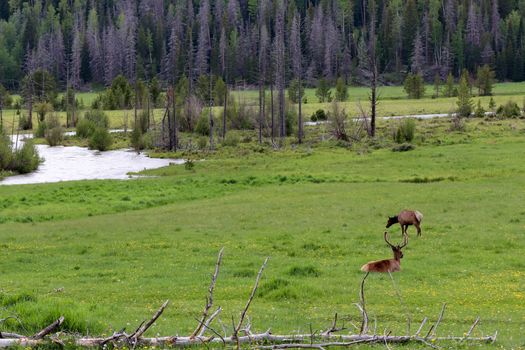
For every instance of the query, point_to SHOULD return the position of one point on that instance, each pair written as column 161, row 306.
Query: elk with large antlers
column 387, row 265
column 406, row 218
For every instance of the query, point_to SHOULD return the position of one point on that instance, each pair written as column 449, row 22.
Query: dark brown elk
column 405, row 219
column 387, row 265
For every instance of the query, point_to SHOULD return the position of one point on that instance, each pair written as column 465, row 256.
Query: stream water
column 79, row 163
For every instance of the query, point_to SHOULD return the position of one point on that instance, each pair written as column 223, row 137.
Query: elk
column 382, row 266
column 406, row 218
column 387, row 265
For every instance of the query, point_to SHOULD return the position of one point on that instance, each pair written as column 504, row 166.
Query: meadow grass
column 393, row 101
column 108, row 253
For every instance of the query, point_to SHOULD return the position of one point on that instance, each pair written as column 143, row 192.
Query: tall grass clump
column 405, row 131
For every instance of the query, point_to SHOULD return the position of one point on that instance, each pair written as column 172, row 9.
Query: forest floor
column 107, row 253
column 393, row 101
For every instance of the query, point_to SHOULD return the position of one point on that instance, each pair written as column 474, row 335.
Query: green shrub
column 54, row 131
column 24, row 122
column 323, row 92
column 509, row 110
column 479, row 111
column 203, row 126
column 405, row 130
column 85, row 128
column 403, row 147
column 231, row 140
column 203, row 142
column 414, row 86
column 319, row 115
column 100, row 140
column 6, row 153
column 98, row 117
column 92, row 120
column 143, row 121
column 55, row 136
column 41, row 129
column 189, row 164
column 25, row 159
column 137, row 139
column 341, row 90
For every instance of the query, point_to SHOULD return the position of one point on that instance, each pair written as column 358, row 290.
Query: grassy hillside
column 108, row 253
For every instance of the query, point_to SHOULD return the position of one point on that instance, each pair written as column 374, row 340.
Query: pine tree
column 464, row 101
column 485, row 80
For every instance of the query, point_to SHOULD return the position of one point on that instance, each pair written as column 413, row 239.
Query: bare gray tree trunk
column 373, row 66
column 261, row 110
column 280, row 64
column 224, row 111
column 174, row 136
column 211, row 112
column 273, row 113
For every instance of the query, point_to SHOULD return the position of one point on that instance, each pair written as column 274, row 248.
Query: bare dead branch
column 364, row 322
column 439, row 319
column 421, row 326
column 209, row 321
column 144, row 327
column 471, row 328
column 49, row 328
column 209, row 299
column 252, row 295
column 429, row 332
column 204, row 339
column 8, row 335
column 422, row 340
column 116, row 336
column 333, row 328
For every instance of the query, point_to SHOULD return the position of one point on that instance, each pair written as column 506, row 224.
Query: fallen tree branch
column 209, row 321
column 421, row 326
column 144, row 327
column 252, row 295
column 49, row 328
column 209, row 299
column 261, row 338
column 439, row 319
column 364, row 322
column 471, row 328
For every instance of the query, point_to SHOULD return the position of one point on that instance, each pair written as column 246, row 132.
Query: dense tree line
column 259, row 42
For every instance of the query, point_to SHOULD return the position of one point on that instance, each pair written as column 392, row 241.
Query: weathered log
column 266, row 337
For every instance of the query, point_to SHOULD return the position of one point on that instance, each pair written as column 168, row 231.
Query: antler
column 386, row 240
column 405, row 241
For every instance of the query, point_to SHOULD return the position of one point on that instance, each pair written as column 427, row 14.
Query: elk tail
column 419, row 216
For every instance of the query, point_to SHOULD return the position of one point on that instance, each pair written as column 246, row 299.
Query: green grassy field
column 392, row 101
column 108, row 253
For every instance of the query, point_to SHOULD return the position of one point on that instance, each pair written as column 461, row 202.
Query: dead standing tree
column 241, row 335
column 368, row 63
column 279, row 62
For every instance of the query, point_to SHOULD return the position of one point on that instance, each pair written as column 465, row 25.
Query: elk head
column 396, row 249
column 391, row 220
